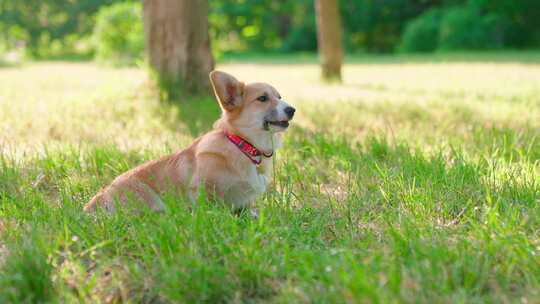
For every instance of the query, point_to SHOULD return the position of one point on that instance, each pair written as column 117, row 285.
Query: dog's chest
column 246, row 190
column 258, row 182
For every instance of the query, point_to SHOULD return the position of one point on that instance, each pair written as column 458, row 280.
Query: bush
column 422, row 33
column 467, row 28
column 118, row 34
column 301, row 37
column 456, row 28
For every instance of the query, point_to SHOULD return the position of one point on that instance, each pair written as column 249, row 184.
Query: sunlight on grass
column 410, row 182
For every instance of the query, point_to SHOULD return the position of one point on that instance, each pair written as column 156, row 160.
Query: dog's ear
column 228, row 90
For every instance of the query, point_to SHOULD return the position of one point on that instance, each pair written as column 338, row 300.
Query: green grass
column 416, row 182
column 507, row 56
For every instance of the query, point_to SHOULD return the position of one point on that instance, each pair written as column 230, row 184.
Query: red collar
column 254, row 154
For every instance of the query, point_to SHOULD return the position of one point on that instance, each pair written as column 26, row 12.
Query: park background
column 87, row 28
column 413, row 179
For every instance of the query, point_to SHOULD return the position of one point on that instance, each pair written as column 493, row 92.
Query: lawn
column 416, row 180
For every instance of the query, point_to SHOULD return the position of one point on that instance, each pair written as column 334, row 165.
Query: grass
column 411, row 182
column 506, row 56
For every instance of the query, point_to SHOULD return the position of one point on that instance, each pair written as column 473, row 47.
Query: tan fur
column 212, row 161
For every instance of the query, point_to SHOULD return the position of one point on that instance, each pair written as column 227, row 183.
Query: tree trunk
column 329, row 38
column 178, row 45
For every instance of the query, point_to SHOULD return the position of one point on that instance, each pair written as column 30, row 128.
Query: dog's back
column 144, row 183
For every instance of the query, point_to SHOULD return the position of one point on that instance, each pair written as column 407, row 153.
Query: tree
column 178, row 45
column 329, row 38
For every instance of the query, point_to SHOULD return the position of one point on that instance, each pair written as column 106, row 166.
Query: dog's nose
column 290, row 111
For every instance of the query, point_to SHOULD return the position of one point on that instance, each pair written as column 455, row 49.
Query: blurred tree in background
column 178, row 45
column 329, row 38
column 44, row 28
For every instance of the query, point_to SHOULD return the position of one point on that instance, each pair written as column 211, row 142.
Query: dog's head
column 254, row 105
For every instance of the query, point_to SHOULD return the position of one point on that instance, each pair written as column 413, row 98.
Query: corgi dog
column 233, row 162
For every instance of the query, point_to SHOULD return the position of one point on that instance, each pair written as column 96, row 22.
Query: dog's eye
column 262, row 98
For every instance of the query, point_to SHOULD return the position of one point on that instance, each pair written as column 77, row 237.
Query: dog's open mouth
column 281, row 124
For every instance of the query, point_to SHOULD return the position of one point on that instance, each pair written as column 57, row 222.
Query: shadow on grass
column 9, row 64
column 197, row 113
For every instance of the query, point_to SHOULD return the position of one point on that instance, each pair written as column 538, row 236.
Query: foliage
column 49, row 27
column 453, row 28
column 466, row 28
column 412, row 183
column 422, row 33
column 63, row 27
column 260, row 25
column 376, row 26
column 521, row 26
column 118, row 34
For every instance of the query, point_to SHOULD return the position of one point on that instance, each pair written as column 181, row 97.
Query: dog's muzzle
column 279, row 120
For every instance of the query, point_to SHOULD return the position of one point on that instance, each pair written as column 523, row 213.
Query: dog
column 233, row 162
